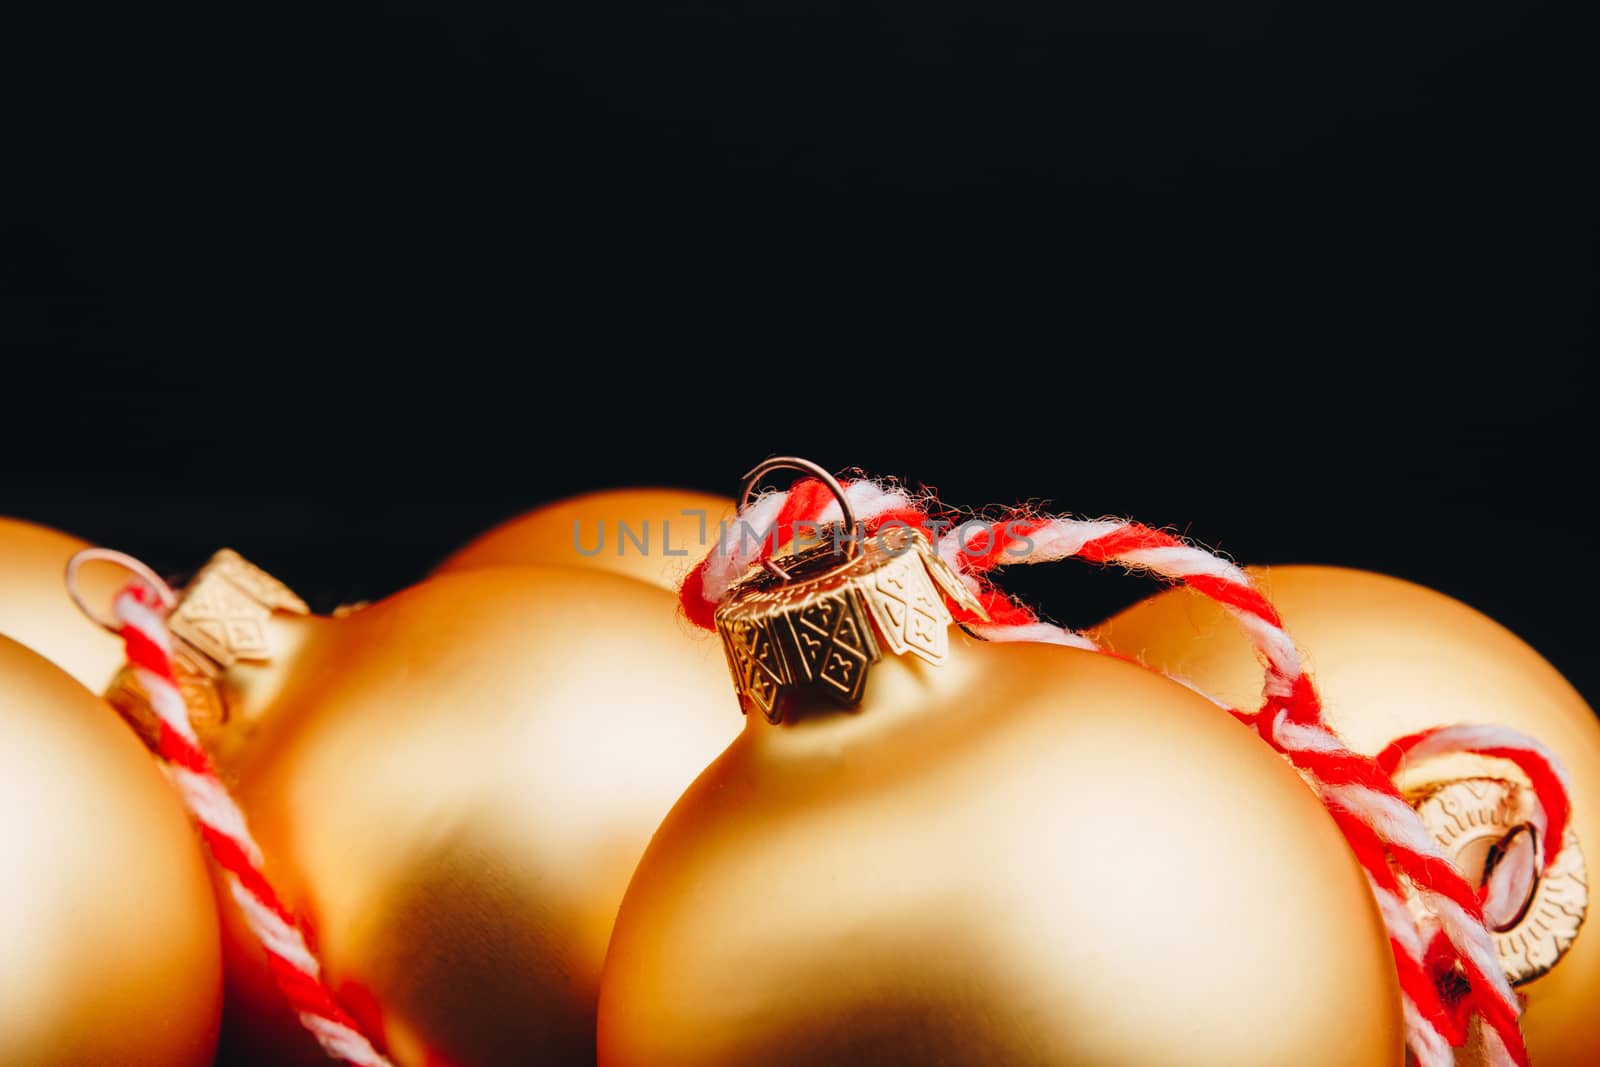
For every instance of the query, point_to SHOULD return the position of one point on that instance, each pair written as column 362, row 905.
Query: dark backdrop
column 1311, row 285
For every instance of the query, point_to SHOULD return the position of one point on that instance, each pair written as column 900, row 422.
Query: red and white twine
column 222, row 824
column 1383, row 830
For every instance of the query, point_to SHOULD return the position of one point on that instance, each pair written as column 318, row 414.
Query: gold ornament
column 35, row 608
column 108, row 936
column 453, row 786
column 1006, row 854
column 654, row 535
column 1393, row 658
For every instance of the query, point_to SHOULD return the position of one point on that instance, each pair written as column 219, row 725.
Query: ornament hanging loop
column 151, row 580
column 847, row 516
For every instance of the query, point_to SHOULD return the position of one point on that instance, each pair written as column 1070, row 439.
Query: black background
column 1307, row 284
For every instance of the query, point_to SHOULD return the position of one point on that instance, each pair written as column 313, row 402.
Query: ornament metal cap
column 218, row 620
column 1483, row 822
column 827, row 613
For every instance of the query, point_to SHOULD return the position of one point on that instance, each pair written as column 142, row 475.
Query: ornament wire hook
column 847, row 516
column 137, row 568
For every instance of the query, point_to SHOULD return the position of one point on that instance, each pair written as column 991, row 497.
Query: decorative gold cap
column 220, row 620
column 1482, row 823
column 827, row 614
column 225, row 608
column 828, row 622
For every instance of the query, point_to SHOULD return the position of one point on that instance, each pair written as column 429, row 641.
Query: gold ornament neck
column 818, row 624
column 235, row 629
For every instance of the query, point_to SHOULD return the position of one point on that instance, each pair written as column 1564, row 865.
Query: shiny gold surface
column 453, row 786
column 1026, row 856
column 35, row 608
column 675, row 541
column 1391, row 658
column 108, row 936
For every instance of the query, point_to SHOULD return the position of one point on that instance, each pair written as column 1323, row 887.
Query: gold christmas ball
column 654, row 535
column 1025, row 855
column 1393, row 658
column 108, row 935
column 35, row 608
column 452, row 786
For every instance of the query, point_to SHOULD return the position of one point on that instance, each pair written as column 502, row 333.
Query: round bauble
column 1026, row 855
column 654, row 535
column 35, row 608
column 452, row 786
column 1392, row 658
column 108, row 934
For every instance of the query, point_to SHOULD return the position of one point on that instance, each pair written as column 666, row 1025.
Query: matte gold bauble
column 1027, row 855
column 1392, row 658
column 453, row 786
column 108, row 935
column 654, row 535
column 35, row 608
